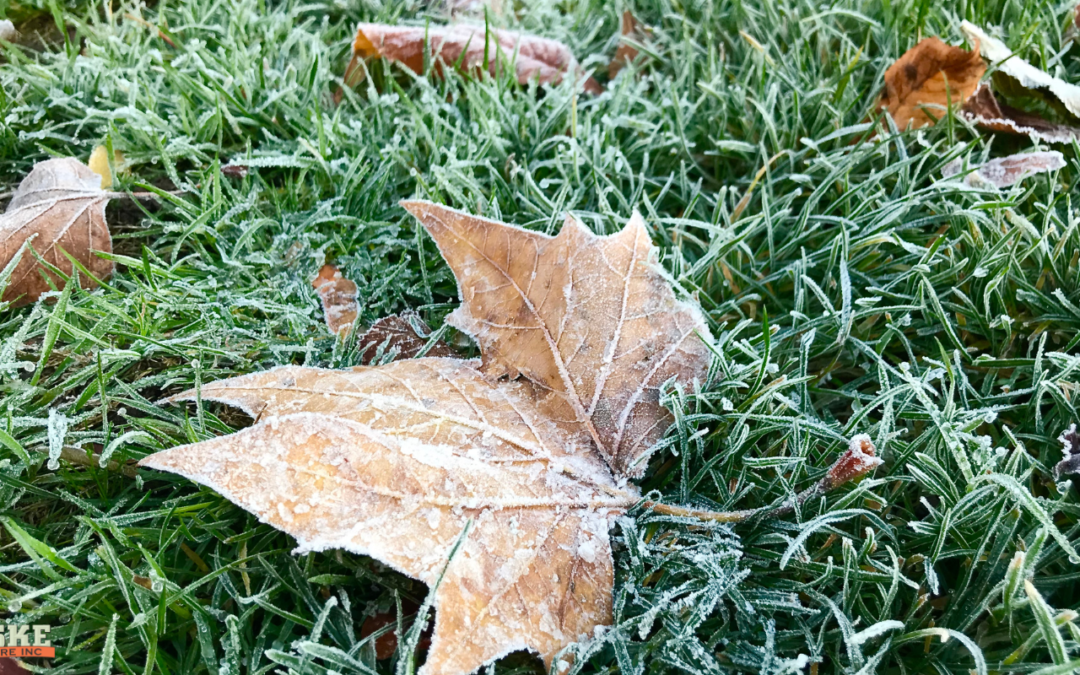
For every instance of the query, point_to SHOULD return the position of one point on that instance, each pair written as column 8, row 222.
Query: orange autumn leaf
column 467, row 46
column 928, row 78
column 338, row 296
column 495, row 481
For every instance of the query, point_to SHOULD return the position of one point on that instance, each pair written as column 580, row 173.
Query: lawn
column 850, row 287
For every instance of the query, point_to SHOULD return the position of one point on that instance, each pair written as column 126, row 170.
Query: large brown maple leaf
column 526, row 453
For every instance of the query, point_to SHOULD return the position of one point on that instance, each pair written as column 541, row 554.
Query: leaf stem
column 857, row 461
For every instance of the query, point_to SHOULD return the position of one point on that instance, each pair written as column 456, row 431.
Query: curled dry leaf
column 467, row 46
column 927, row 79
column 857, row 461
column 59, row 205
column 1025, row 74
column 406, row 334
column 626, row 52
column 983, row 109
column 338, row 296
column 398, row 461
column 1005, row 171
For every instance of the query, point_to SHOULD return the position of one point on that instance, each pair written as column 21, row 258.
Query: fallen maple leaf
column 468, row 47
column 405, row 333
column 338, row 296
column 59, row 205
column 1005, row 171
column 930, row 75
column 626, row 52
column 397, row 461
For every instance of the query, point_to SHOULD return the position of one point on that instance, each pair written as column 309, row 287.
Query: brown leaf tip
column 857, row 461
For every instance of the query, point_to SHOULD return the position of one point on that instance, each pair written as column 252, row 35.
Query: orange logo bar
column 28, row 652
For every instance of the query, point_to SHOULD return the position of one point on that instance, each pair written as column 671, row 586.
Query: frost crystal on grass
column 57, row 432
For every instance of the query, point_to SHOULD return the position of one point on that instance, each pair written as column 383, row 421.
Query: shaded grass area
column 852, row 290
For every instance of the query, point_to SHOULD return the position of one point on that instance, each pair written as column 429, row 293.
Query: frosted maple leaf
column 528, row 449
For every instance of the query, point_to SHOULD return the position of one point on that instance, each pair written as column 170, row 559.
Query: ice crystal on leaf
column 530, row 447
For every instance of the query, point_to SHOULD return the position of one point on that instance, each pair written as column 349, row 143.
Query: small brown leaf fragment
column 59, row 205
column 983, row 109
column 1070, row 449
column 1005, row 171
column 626, row 52
column 466, row 46
column 405, row 333
column 386, row 644
column 12, row 666
column 590, row 318
column 338, row 296
column 235, row 170
column 857, row 461
column 927, row 79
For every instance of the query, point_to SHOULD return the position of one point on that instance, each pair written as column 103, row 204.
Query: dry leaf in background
column 398, row 461
column 476, row 9
column 1025, row 74
column 338, row 296
column 466, row 46
column 8, row 32
column 983, row 109
column 59, row 205
column 1070, row 449
column 387, row 643
column 1005, row 171
column 589, row 318
column 1019, row 77
column 99, row 164
column 927, row 79
column 405, row 334
column 626, row 52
